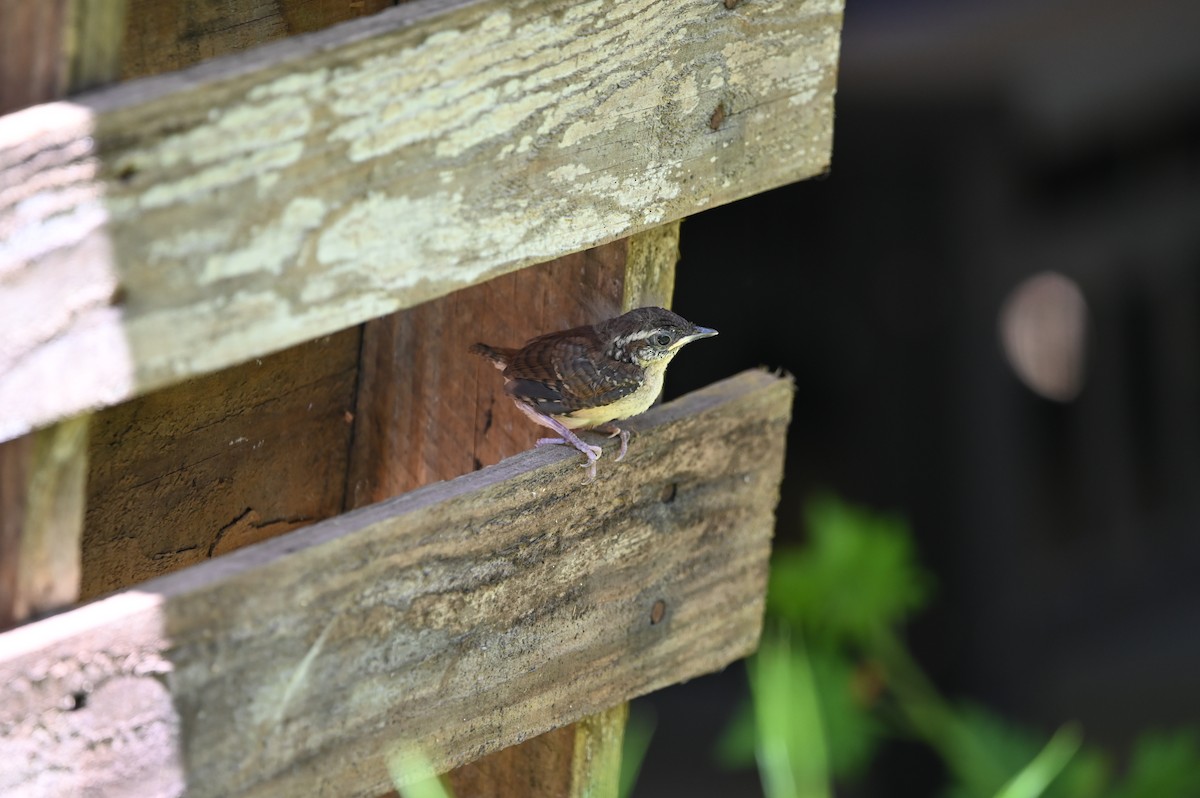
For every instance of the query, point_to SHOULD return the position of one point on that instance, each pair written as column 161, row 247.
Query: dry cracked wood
column 461, row 618
column 172, row 226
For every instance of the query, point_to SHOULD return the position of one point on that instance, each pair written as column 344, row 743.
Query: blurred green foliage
column 832, row 678
column 639, row 729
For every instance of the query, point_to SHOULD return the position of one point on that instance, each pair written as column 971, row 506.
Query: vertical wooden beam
column 596, row 765
column 53, row 48
column 427, row 411
column 47, row 50
column 650, row 268
column 43, row 478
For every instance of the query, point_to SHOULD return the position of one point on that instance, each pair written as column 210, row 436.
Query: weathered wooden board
column 219, row 462
column 47, row 49
column 165, row 35
column 428, row 410
column 461, row 618
column 209, row 216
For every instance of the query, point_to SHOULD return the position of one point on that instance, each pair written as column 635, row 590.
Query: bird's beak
column 701, row 332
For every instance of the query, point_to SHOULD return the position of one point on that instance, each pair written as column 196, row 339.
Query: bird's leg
column 592, row 453
column 613, row 431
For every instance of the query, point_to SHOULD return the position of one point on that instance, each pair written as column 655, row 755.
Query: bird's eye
column 662, row 339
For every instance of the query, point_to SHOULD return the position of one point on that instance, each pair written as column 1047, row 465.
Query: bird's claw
column 614, row 432
column 592, row 453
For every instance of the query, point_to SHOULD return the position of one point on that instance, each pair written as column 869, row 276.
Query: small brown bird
column 588, row 377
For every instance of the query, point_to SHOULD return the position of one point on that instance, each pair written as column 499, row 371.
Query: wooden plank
column 268, row 197
column 459, row 618
column 426, row 413
column 42, row 478
column 218, row 462
column 55, row 47
column 46, row 50
column 166, row 35
column 582, row 760
column 31, row 41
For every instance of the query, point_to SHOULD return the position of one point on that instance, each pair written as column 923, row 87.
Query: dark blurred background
column 991, row 306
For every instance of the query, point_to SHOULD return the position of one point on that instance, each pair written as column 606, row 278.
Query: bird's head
column 650, row 336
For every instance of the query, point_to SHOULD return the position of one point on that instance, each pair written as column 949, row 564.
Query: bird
column 592, row 376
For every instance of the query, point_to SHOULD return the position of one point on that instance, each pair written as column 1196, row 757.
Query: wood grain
column 56, row 47
column 428, row 411
column 219, row 462
column 166, row 35
column 582, row 760
column 48, row 49
column 460, row 618
column 42, row 478
column 265, row 198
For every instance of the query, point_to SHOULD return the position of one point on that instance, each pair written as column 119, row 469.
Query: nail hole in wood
column 718, row 117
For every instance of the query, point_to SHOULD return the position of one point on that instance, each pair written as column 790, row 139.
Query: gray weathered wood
column 461, row 618
column 47, row 49
column 269, row 197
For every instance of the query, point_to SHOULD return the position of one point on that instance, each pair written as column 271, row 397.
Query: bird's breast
column 631, row 404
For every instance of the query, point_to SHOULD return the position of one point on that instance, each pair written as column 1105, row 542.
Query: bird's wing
column 559, row 373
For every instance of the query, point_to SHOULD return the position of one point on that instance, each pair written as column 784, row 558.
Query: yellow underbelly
column 627, row 406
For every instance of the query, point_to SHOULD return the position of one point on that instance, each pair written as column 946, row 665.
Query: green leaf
column 639, row 729
column 1034, row 778
column 851, row 733
column 735, row 747
column 791, row 750
column 857, row 574
column 987, row 754
column 1163, row 764
column 414, row 776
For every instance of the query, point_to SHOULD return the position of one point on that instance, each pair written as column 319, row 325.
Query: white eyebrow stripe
column 625, row 339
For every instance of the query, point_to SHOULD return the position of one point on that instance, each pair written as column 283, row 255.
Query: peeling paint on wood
column 266, row 198
column 461, row 618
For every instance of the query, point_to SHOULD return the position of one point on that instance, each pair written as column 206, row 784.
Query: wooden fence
column 239, row 421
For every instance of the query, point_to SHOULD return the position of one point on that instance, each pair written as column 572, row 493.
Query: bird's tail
column 499, row 356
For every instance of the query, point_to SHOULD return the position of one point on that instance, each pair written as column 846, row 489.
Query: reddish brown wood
column 32, row 66
column 164, row 35
column 427, row 409
column 216, row 463
column 539, row 767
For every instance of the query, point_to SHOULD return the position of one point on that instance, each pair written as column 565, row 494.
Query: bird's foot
column 613, row 432
column 566, row 436
column 589, row 451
